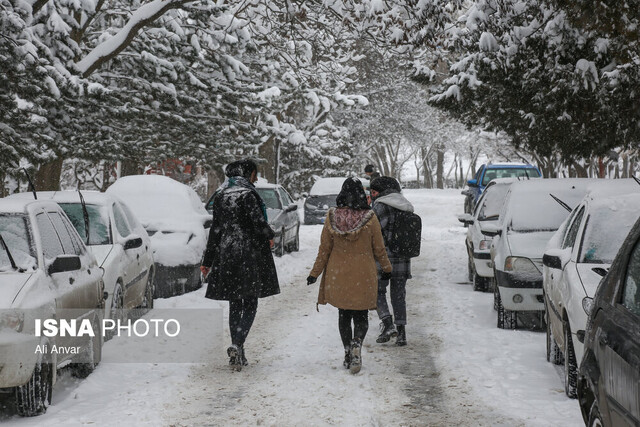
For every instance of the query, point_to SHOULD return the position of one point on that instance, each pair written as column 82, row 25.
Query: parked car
column 487, row 211
column 176, row 221
column 528, row 219
column 486, row 173
column 575, row 260
column 282, row 216
column 46, row 272
column 323, row 196
column 609, row 377
column 118, row 241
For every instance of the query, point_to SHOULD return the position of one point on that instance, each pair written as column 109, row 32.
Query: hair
column 352, row 195
column 244, row 168
column 369, row 168
column 385, row 183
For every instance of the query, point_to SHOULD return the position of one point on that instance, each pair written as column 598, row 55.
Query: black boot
column 347, row 358
column 235, row 357
column 402, row 336
column 244, row 358
column 356, row 356
column 387, row 330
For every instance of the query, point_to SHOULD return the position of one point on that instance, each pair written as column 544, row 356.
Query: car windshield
column 606, row 229
column 538, row 211
column 322, row 201
column 493, row 173
column 98, row 222
column 492, row 202
column 15, row 232
column 270, row 197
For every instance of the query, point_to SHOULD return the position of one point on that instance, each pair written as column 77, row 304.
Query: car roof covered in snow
column 266, row 185
column 21, row 205
column 72, row 196
column 327, row 186
column 510, row 165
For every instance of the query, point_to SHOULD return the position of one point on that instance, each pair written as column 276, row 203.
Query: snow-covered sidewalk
column 458, row 368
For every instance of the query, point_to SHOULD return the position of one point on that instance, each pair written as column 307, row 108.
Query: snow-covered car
column 323, row 196
column 576, row 259
column 118, row 241
column 609, row 377
column 46, row 274
column 175, row 219
column 487, row 211
column 282, row 216
column 532, row 212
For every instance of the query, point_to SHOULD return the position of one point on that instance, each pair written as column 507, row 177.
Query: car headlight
column 520, row 265
column 484, row 245
column 12, row 319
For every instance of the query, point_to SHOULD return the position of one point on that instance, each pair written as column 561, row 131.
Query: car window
column 131, row 218
column 494, row 199
column 631, row 294
column 63, row 233
column 15, row 232
column 99, row 230
column 493, row 173
column 269, row 197
column 78, row 244
column 286, row 200
column 51, row 246
column 570, row 238
column 121, row 221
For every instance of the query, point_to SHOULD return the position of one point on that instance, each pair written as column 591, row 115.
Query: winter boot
column 244, row 358
column 356, row 356
column 387, row 330
column 347, row 358
column 235, row 357
column 401, row 340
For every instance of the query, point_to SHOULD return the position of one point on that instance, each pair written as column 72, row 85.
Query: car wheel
column 496, row 294
column 280, row 244
column 507, row 319
column 479, row 283
column 295, row 246
column 570, row 364
column 34, row 397
column 554, row 355
column 90, row 357
column 595, row 419
column 147, row 301
column 116, row 312
column 470, row 268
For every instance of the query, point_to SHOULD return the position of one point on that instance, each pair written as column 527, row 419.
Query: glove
column 204, row 270
column 311, row 280
column 385, row 276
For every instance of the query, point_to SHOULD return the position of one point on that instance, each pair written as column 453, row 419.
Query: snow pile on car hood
column 171, row 212
column 327, row 186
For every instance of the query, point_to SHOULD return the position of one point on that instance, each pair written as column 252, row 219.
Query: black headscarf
column 352, row 195
column 386, row 183
column 243, row 168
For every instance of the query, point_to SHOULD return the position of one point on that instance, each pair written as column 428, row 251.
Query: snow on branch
column 108, row 49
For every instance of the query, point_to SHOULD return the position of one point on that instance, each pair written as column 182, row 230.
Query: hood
column 396, row 200
column 529, row 245
column 589, row 278
column 352, row 234
column 101, row 252
column 10, row 286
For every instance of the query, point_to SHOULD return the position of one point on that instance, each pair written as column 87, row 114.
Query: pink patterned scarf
column 347, row 219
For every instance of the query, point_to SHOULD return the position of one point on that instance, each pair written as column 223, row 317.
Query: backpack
column 405, row 237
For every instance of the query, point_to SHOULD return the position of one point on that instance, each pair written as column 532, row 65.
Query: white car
column 118, row 241
column 486, row 211
column 46, row 274
column 176, row 221
column 528, row 219
column 576, row 259
column 323, row 196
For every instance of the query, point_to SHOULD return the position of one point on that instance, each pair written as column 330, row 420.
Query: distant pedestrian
column 238, row 257
column 387, row 202
column 350, row 245
column 370, row 172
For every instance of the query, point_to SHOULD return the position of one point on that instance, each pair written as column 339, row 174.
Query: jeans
column 242, row 312
column 398, row 300
column 360, row 323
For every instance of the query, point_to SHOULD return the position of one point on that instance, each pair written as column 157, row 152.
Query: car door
column 618, row 339
column 291, row 217
column 145, row 259
column 133, row 269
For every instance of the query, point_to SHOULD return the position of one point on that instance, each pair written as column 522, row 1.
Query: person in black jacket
column 238, row 262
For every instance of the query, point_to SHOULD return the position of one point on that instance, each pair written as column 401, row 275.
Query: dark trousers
column 398, row 300
column 242, row 312
column 360, row 320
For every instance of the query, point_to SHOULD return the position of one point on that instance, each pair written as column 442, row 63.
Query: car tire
column 470, row 269
column 595, row 418
column 496, row 294
column 554, row 355
column 570, row 364
column 90, row 357
column 280, row 244
column 34, row 397
column 116, row 311
column 507, row 319
column 147, row 300
column 295, row 246
column 479, row 283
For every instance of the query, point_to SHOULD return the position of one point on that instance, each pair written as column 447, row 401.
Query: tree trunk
column 625, row 165
column 581, row 171
column 215, row 177
column 129, row 167
column 48, row 176
column 439, row 169
column 268, row 151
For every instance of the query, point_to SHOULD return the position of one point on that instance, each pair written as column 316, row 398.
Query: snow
column 327, row 186
column 488, row 42
column 458, row 368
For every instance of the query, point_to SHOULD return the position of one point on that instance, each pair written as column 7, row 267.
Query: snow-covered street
column 458, row 368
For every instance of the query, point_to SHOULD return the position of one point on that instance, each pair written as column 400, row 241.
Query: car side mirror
column 305, row 195
column 599, row 270
column 472, row 183
column 133, row 243
column 552, row 261
column 491, row 230
column 291, row 208
column 466, row 219
column 208, row 223
column 64, row 263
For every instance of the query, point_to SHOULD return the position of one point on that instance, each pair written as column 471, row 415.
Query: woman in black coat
column 238, row 257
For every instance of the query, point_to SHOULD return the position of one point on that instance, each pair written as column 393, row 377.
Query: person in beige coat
column 350, row 245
